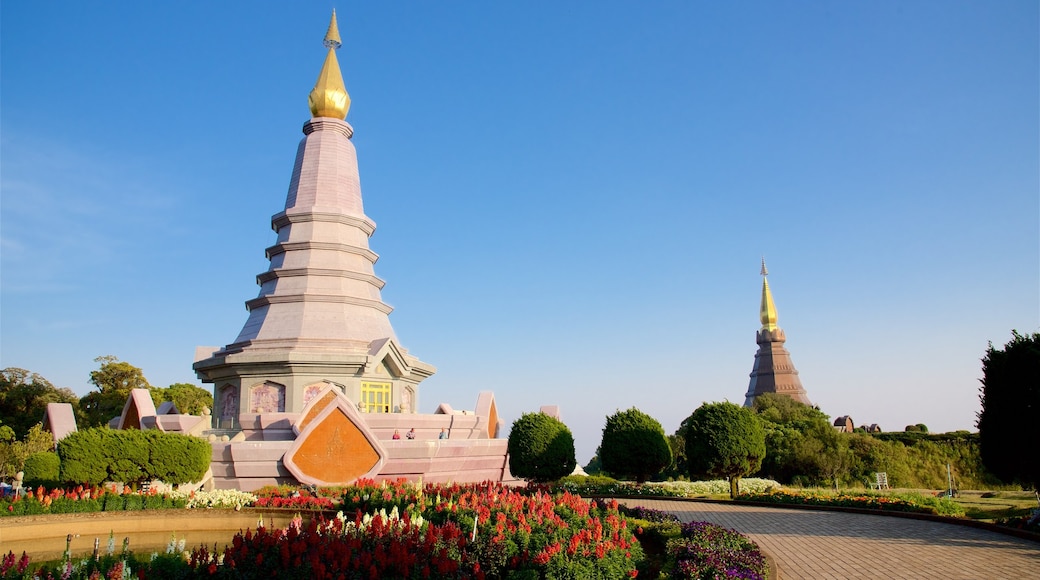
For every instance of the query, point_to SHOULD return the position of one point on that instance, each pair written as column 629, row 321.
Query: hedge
column 93, row 456
column 41, row 469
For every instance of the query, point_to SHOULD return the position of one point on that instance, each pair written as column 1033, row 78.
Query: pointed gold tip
column 332, row 39
column 329, row 97
column 767, row 314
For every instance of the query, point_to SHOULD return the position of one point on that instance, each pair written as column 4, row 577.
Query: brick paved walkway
column 826, row 545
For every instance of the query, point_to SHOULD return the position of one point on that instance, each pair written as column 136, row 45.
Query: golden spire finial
column 332, row 39
column 768, row 311
column 329, row 97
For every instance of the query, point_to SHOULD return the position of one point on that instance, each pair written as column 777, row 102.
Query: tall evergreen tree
column 1009, row 439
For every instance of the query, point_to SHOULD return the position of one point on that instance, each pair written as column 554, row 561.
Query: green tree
column 1010, row 396
column 13, row 451
column 724, row 440
column 802, row 446
column 188, row 398
column 677, row 469
column 595, row 465
column 541, row 448
column 24, row 396
column 114, row 381
column 824, row 455
column 634, row 446
column 783, row 410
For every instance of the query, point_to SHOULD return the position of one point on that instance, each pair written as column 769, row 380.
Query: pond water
column 45, row 537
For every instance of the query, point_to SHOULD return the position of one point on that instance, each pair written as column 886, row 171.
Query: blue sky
column 572, row 199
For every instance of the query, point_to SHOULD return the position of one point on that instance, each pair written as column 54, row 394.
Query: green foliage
column 724, row 440
column 24, row 396
column 13, row 452
column 114, row 381
column 42, row 469
column 541, row 448
column 1010, row 396
column 787, row 411
column 81, row 457
column 597, row 485
column 677, row 469
column 919, row 460
column 802, row 448
column 595, row 465
column 634, row 446
column 898, row 502
column 101, row 454
column 67, row 502
column 176, row 458
column 188, row 398
column 801, row 443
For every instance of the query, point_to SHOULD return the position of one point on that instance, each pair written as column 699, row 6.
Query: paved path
column 825, row 545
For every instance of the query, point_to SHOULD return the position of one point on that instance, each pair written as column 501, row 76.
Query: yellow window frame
column 377, row 397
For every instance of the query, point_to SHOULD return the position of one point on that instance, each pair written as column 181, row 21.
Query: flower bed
column 298, row 503
column 1029, row 523
column 715, row 486
column 291, row 497
column 407, row 531
column 906, row 502
column 707, row 551
column 605, row 486
column 218, row 498
column 402, row 530
column 85, row 499
column 697, row 550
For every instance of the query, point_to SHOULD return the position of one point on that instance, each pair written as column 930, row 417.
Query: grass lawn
column 991, row 505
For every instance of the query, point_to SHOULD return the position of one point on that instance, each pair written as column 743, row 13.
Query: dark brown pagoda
column 773, row 371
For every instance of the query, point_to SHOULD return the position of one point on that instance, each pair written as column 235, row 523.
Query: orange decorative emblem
column 335, row 446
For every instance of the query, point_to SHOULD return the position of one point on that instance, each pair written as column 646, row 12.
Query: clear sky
column 572, row 198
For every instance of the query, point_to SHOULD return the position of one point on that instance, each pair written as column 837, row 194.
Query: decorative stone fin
column 550, row 410
column 138, row 408
column 60, row 420
column 335, row 447
column 487, row 410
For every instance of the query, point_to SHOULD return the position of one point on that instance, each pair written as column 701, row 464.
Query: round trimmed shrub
column 724, row 440
column 541, row 448
column 634, row 446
